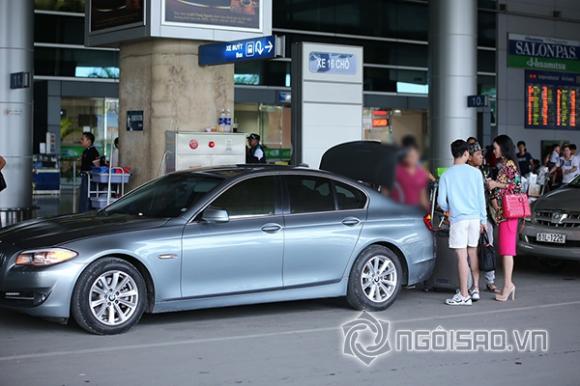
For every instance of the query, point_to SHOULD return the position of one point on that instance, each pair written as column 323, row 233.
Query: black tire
column 81, row 309
column 356, row 295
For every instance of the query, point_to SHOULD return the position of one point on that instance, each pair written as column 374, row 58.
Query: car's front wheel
column 110, row 297
column 375, row 279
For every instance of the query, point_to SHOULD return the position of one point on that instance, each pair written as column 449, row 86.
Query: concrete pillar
column 453, row 74
column 16, row 50
column 162, row 78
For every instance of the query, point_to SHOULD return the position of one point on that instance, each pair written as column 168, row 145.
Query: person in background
column 570, row 165
column 461, row 193
column 554, row 157
column 573, row 149
column 552, row 161
column 471, row 140
column 489, row 163
column 89, row 159
column 2, row 181
column 476, row 160
column 115, row 154
column 255, row 154
column 536, row 165
column 508, row 182
column 411, row 179
column 410, row 141
column 525, row 159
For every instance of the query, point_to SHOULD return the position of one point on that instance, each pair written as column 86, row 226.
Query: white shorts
column 464, row 234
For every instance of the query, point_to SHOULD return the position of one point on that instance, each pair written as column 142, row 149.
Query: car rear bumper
column 421, row 259
column 527, row 244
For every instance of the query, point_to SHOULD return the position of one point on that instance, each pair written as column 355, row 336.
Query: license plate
column 554, row 238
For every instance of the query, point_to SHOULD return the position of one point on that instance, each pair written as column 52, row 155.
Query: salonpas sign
column 543, row 53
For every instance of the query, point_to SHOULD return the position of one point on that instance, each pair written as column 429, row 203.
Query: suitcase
column 445, row 275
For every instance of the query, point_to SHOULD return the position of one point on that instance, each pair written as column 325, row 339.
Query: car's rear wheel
column 110, row 297
column 375, row 279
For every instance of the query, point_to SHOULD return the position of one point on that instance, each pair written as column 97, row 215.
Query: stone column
column 453, row 74
column 16, row 50
column 162, row 78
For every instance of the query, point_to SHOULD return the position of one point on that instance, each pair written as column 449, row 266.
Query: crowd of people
column 471, row 193
column 563, row 164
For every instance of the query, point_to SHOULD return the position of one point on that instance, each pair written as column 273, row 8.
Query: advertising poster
column 116, row 14
column 237, row 15
column 541, row 53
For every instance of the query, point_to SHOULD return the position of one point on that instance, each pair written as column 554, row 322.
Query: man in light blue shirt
column 462, row 195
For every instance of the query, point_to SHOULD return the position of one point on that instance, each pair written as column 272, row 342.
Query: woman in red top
column 411, row 179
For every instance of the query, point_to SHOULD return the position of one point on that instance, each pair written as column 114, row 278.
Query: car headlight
column 45, row 257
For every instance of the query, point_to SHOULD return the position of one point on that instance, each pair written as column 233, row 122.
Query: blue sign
column 237, row 51
column 477, row 101
column 20, row 80
column 284, row 97
column 331, row 63
column 134, row 120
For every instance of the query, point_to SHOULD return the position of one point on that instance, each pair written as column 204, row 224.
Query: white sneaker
column 458, row 300
column 474, row 294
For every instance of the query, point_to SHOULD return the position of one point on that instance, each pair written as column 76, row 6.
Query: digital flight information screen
column 552, row 100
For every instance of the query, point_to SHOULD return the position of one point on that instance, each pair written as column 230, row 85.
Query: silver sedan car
column 553, row 231
column 212, row 238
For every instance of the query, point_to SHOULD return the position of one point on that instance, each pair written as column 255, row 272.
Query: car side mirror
column 214, row 215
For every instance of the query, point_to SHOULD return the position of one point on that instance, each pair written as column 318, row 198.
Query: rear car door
column 243, row 254
column 323, row 222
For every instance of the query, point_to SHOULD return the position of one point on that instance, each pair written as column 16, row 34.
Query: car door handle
column 351, row 221
column 271, row 228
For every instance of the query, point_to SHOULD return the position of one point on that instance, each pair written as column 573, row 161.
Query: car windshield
column 575, row 182
column 169, row 196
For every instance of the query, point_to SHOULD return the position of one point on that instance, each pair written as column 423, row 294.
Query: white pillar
column 16, row 55
column 453, row 74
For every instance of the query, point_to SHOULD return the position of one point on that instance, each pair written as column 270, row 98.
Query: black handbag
column 486, row 254
column 2, row 182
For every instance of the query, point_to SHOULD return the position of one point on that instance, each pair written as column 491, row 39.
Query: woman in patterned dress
column 508, row 181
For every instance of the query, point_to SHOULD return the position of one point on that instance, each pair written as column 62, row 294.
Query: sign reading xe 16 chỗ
column 539, row 53
column 332, row 63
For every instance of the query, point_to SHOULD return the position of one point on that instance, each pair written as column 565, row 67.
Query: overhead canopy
column 368, row 161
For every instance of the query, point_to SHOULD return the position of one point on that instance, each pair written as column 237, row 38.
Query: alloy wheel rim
column 113, row 298
column 379, row 278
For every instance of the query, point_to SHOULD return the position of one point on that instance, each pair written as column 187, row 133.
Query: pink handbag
column 516, row 206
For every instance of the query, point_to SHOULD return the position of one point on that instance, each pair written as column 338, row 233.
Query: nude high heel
column 504, row 298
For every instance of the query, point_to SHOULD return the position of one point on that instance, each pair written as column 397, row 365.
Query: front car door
column 243, row 254
column 323, row 223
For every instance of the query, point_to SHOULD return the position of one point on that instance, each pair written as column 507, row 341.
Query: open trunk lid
column 367, row 161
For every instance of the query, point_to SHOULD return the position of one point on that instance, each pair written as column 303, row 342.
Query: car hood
column 565, row 199
column 57, row 230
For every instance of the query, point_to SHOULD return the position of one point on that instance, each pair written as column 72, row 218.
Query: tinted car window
column 348, row 197
column 309, row 194
column 254, row 197
column 169, row 196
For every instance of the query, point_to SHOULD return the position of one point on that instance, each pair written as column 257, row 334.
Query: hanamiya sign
column 542, row 53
